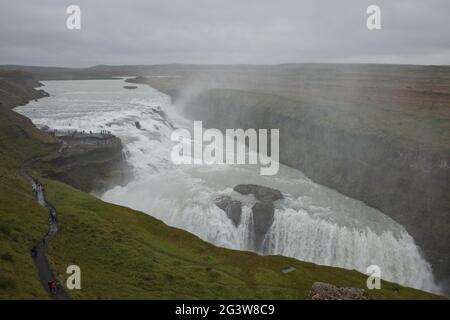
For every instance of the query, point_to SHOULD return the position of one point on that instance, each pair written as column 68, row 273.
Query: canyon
column 238, row 100
column 376, row 133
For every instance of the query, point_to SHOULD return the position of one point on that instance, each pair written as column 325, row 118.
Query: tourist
column 53, row 286
column 33, row 252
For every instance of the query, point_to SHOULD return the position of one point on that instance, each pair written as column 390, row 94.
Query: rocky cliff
column 88, row 162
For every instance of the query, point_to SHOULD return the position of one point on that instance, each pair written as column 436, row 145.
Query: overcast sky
column 223, row 31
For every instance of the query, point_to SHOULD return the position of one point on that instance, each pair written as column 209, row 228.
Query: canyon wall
column 407, row 180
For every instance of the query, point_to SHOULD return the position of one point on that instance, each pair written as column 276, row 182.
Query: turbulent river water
column 313, row 223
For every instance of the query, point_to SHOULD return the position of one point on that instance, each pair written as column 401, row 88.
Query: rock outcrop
column 89, row 162
column 263, row 210
column 261, row 193
column 263, row 216
column 326, row 291
column 233, row 208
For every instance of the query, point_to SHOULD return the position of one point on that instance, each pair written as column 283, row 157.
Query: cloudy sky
column 223, row 31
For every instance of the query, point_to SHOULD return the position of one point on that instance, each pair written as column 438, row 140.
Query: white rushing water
column 312, row 223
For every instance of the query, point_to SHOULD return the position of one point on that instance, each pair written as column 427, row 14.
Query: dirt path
column 45, row 272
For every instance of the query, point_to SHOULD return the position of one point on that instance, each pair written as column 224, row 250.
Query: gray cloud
column 233, row 31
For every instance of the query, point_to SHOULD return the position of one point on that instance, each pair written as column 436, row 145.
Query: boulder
column 326, row 291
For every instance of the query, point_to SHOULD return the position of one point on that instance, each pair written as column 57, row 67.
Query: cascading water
column 313, row 223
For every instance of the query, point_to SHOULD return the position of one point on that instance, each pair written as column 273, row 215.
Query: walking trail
column 45, row 272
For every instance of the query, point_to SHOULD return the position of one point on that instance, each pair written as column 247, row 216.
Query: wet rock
column 261, row 193
column 263, row 210
column 263, row 213
column 326, row 291
column 89, row 162
column 231, row 207
column 42, row 94
column 138, row 125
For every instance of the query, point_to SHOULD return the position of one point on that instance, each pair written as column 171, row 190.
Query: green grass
column 125, row 254
column 22, row 221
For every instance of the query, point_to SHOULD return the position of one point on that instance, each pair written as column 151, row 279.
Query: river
column 313, row 223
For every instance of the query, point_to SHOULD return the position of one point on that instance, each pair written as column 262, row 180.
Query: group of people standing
column 38, row 188
column 74, row 133
column 38, row 192
column 105, row 132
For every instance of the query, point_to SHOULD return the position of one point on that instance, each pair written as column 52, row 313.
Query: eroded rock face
column 261, row 193
column 263, row 210
column 263, row 213
column 90, row 162
column 326, row 291
column 233, row 208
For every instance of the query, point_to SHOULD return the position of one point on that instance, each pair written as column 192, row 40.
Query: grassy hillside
column 17, row 88
column 22, row 220
column 126, row 254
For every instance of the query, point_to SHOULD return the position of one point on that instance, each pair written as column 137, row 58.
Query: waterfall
column 297, row 234
column 313, row 223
